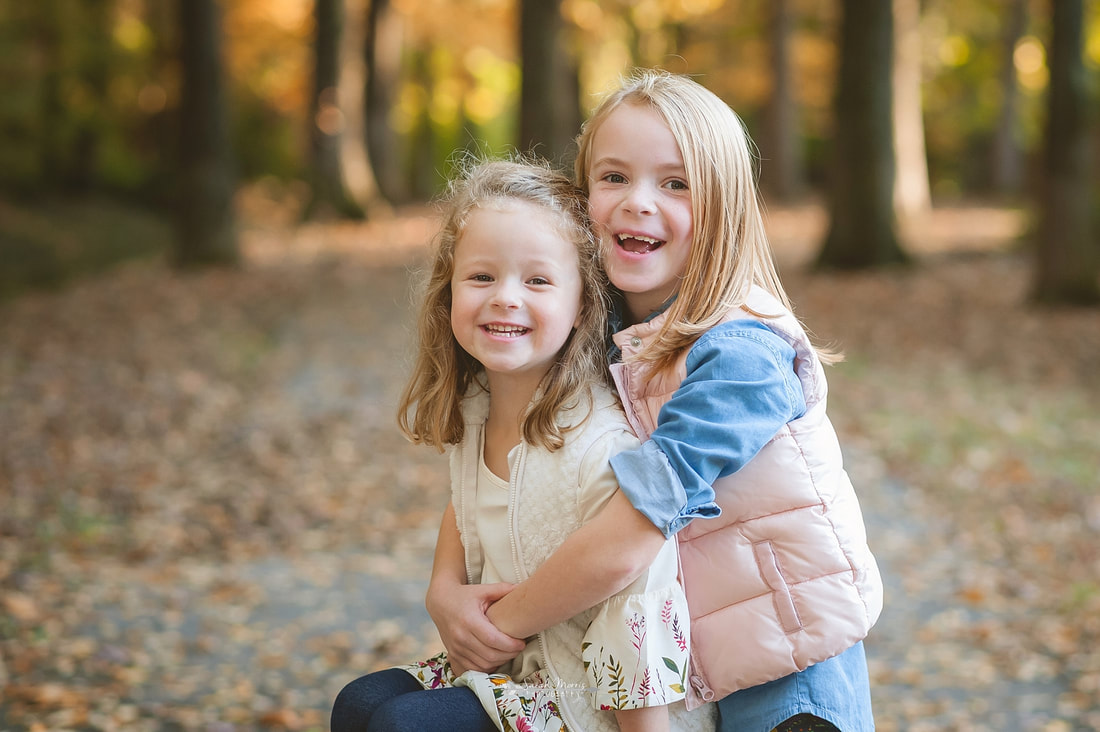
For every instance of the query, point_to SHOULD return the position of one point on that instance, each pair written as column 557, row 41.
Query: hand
column 471, row 640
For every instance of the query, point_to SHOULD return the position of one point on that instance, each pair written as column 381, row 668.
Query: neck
column 508, row 400
column 637, row 308
column 634, row 314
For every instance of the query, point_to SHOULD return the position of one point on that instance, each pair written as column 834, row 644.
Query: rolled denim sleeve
column 740, row 389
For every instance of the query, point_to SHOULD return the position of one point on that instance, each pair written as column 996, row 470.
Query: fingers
column 475, row 655
column 471, row 640
column 495, row 591
column 481, row 646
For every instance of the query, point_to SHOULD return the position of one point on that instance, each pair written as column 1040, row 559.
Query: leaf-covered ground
column 208, row 520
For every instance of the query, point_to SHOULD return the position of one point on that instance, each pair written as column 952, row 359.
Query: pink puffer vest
column 783, row 578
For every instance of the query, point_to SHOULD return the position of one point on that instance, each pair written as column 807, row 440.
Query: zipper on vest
column 469, row 452
column 700, row 685
column 513, row 499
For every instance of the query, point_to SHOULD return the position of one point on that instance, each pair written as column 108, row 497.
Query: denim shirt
column 837, row 690
column 740, row 389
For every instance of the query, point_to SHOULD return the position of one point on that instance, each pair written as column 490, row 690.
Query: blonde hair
column 729, row 248
column 443, row 373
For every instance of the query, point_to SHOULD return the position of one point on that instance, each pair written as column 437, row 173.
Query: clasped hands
column 461, row 614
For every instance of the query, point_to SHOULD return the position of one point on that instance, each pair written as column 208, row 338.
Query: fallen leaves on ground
column 208, row 520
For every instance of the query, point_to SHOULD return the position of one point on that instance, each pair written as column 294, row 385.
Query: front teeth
column 506, row 330
column 646, row 239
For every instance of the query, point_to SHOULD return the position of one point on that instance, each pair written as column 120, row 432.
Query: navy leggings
column 393, row 701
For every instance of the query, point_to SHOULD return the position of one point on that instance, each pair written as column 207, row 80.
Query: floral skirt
column 527, row 706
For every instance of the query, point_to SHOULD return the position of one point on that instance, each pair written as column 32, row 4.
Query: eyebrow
column 620, row 162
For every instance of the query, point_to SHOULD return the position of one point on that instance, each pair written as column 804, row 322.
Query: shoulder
column 739, row 343
column 594, row 410
column 584, row 460
column 747, row 356
column 602, row 428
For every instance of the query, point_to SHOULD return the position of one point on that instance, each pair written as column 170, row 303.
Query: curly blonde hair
column 729, row 249
column 430, row 410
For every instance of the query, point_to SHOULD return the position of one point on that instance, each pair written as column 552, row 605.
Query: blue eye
column 678, row 185
column 614, row 178
column 538, row 281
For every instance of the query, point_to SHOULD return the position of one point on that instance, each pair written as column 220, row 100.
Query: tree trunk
column 51, row 111
column 912, row 197
column 862, row 222
column 781, row 166
column 423, row 173
column 549, row 105
column 357, row 172
column 160, row 128
column 1068, row 253
column 382, row 49
column 1007, row 161
column 205, row 221
column 329, row 196
column 79, row 155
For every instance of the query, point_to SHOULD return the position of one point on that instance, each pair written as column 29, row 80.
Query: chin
column 630, row 282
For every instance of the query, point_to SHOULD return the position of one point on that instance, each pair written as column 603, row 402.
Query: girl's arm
column 458, row 609
column 597, row 560
column 740, row 389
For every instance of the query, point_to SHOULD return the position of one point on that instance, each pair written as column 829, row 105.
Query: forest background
column 350, row 107
column 211, row 214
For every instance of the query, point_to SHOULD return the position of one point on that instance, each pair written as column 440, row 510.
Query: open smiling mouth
column 637, row 244
column 506, row 331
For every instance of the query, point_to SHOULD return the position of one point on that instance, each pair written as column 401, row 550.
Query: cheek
column 456, row 326
column 460, row 312
column 599, row 210
column 687, row 221
column 573, row 305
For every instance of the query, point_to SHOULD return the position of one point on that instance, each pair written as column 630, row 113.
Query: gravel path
column 933, row 666
column 236, row 643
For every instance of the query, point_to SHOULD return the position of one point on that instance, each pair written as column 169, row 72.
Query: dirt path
column 296, row 528
column 933, row 660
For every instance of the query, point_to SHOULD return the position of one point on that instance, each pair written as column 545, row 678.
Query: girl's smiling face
column 516, row 290
column 639, row 199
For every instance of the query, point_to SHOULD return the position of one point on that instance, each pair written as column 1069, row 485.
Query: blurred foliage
column 91, row 87
column 100, row 76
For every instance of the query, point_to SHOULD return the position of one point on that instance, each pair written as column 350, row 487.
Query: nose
column 640, row 199
column 506, row 295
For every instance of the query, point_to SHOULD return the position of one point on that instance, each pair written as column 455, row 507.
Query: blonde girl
column 509, row 377
column 726, row 391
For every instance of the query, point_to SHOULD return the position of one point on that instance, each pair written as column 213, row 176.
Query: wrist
column 498, row 614
column 440, row 587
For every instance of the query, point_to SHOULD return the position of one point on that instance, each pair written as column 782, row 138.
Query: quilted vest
column 783, row 578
